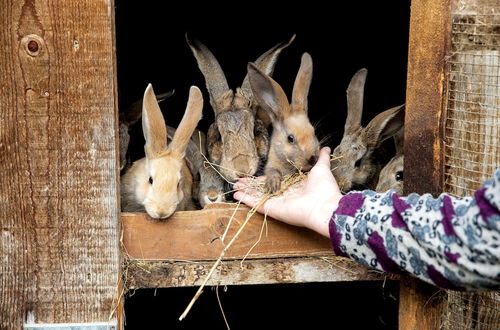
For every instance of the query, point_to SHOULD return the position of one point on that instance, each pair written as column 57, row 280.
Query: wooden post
column 430, row 26
column 59, row 210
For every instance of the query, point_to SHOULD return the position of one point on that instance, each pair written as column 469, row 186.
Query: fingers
column 246, row 198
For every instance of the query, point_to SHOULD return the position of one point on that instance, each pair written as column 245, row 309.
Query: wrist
column 320, row 217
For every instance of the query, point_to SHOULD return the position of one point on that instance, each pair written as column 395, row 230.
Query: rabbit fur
column 237, row 142
column 294, row 145
column 161, row 182
column 127, row 119
column 355, row 164
column 391, row 175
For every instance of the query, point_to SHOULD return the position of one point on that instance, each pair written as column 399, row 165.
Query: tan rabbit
column 391, row 176
column 236, row 141
column 357, row 166
column 161, row 182
column 294, row 145
column 127, row 119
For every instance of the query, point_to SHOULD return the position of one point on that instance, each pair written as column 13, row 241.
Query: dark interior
column 342, row 305
column 151, row 48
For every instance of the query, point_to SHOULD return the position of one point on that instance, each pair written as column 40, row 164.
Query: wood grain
column 430, row 25
column 420, row 305
column 58, row 183
column 150, row 274
column 195, row 235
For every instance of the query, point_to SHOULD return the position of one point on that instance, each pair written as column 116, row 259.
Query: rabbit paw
column 273, row 181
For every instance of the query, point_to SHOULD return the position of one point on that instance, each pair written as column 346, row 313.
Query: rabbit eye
column 399, row 176
column 150, row 180
column 357, row 163
column 291, row 138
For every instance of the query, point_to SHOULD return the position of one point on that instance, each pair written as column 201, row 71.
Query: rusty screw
column 33, row 46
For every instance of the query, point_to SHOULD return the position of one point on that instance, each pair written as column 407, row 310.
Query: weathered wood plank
column 430, row 26
column 146, row 274
column 420, row 305
column 196, row 235
column 58, row 183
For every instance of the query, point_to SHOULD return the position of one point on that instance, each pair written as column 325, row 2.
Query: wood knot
column 32, row 44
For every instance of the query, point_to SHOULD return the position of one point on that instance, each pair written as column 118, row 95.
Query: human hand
column 309, row 203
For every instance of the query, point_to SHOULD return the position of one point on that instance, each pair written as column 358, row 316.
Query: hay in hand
column 252, row 182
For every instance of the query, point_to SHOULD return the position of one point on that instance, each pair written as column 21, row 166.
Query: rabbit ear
column 267, row 61
column 399, row 140
column 355, row 93
column 268, row 93
column 191, row 117
column 153, row 125
column 302, row 84
column 210, row 68
column 384, row 125
column 134, row 112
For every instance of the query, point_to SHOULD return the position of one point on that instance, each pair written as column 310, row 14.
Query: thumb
column 324, row 157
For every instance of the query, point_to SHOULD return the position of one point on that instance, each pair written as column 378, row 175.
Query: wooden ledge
column 150, row 274
column 181, row 250
column 195, row 236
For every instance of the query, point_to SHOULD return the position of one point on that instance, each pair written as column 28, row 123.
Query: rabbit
column 161, row 182
column 355, row 164
column 208, row 185
column 391, row 176
column 294, row 145
column 211, row 186
column 126, row 120
column 237, row 142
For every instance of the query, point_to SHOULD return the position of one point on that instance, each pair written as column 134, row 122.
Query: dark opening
column 351, row 35
column 151, row 48
column 342, row 305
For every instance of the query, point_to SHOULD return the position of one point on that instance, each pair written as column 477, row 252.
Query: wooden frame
column 59, row 189
column 59, row 185
column 189, row 243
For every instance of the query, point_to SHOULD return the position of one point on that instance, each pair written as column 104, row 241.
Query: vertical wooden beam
column 430, row 27
column 59, row 210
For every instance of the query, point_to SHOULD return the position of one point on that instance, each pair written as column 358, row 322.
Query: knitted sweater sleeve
column 453, row 243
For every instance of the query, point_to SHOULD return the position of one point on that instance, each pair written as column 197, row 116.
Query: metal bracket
column 73, row 326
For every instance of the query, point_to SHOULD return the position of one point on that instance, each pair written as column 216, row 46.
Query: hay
column 252, row 182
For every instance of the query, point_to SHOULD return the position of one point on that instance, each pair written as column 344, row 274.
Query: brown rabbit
column 161, row 182
column 236, row 141
column 357, row 165
column 127, row 119
column 294, row 145
column 208, row 185
column 391, row 176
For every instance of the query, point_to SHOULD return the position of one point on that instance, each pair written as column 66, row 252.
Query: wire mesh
column 472, row 133
column 472, row 125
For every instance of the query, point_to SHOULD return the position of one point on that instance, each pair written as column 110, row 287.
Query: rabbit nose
column 212, row 196
column 313, row 160
column 241, row 165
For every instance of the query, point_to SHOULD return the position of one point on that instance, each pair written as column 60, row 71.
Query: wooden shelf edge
column 196, row 236
column 162, row 274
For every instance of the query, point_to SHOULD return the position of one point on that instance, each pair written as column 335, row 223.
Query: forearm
column 452, row 243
